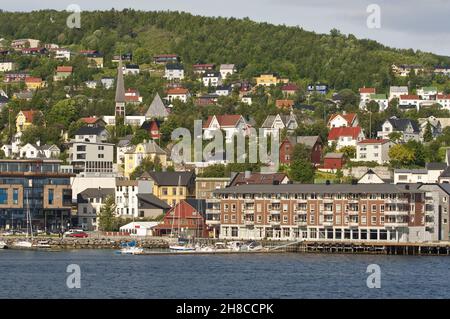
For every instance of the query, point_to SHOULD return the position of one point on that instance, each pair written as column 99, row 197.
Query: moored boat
column 3, row 245
column 23, row 244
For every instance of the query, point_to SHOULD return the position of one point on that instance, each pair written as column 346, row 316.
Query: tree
column 395, row 137
column 348, row 151
column 302, row 171
column 373, row 107
column 400, row 156
column 107, row 217
column 428, row 134
column 140, row 136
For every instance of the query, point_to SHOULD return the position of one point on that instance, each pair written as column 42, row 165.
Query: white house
column 108, row 83
column 343, row 120
column 91, row 84
column 227, row 70
column 365, row 94
column 410, row 102
column 90, row 201
column 7, row 150
column 429, row 175
column 396, row 91
column 139, row 229
column 7, row 66
column 247, row 100
column 231, row 124
column 409, row 129
column 373, row 150
column 381, row 100
column 275, row 123
column 223, row 90
column 212, row 78
column 37, row 151
column 180, row 94
column 174, row 71
column 345, row 136
column 427, row 93
column 131, row 69
column 63, row 54
column 444, row 100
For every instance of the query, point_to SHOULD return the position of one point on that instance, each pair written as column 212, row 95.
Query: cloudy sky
column 417, row 24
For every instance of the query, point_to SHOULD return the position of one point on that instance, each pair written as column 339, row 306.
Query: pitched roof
column 289, row 87
column 334, row 155
column 172, row 178
column 91, row 119
column 157, row 109
column 309, row 141
column 29, row 114
column 120, row 86
column 257, row 178
column 64, row 69
column 270, row 119
column 435, row 166
column 402, row 124
column 409, row 97
column 96, row 193
column 30, row 79
column 337, row 132
column 152, row 148
column 284, row 103
column 224, row 120
column 151, row 201
column 349, row 117
column 175, row 91
column 367, row 90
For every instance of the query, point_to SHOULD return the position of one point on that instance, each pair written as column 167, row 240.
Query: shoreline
column 153, row 246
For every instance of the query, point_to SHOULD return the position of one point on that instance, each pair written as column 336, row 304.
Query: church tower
column 120, row 92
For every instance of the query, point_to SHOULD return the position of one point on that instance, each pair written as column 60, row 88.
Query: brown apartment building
column 371, row 212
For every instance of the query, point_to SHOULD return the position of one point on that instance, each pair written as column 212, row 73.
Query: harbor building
column 36, row 188
column 360, row 212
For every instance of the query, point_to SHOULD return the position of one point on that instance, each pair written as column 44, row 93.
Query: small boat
column 23, row 244
column 181, row 248
column 131, row 249
column 3, row 245
column 42, row 244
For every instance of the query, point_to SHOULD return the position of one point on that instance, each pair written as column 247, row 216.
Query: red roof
column 373, row 141
column 409, row 97
column 64, row 69
column 29, row 115
column 367, row 90
column 30, row 79
column 350, row 117
column 203, row 66
column 175, row 91
column 90, row 120
column 289, row 87
column 337, row 132
column 182, row 212
column 284, row 103
column 132, row 98
column 224, row 120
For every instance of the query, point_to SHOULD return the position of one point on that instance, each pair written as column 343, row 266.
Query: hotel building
column 370, row 212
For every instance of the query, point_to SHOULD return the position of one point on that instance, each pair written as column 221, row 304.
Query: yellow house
column 34, row 83
column 269, row 79
column 173, row 187
column 134, row 157
column 25, row 119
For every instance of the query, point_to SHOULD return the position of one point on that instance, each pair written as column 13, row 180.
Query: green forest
column 342, row 61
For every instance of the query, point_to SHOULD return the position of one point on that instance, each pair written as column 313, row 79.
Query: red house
column 186, row 219
column 333, row 161
column 313, row 142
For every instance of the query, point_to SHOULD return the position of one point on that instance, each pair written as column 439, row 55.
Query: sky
column 418, row 24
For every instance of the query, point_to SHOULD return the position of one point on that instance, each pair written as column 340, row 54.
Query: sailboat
column 26, row 243
column 3, row 245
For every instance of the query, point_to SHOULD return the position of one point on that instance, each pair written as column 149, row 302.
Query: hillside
column 340, row 60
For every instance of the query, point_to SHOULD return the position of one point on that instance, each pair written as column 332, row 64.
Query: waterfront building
column 145, row 150
column 37, row 186
column 360, row 212
column 90, row 202
column 173, row 187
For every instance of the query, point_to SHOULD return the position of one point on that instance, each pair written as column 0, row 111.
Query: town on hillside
column 86, row 143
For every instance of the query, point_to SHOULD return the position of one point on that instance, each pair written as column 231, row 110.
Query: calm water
column 32, row 274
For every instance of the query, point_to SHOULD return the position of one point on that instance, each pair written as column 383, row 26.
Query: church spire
column 120, row 91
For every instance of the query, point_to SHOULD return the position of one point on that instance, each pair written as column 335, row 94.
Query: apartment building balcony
column 275, row 223
column 249, row 222
column 328, row 212
column 328, row 223
column 213, row 200
column 328, row 200
column 275, row 201
column 396, row 200
column 353, row 201
column 353, row 223
column 275, row 211
column 302, row 223
column 249, row 211
column 301, row 212
column 213, row 222
column 302, row 200
column 213, row 210
column 353, row 213
column 249, row 200
column 396, row 213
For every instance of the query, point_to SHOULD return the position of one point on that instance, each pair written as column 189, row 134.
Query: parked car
column 78, row 234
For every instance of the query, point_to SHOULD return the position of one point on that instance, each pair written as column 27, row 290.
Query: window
column 50, row 196
column 3, row 196
column 101, row 148
column 374, row 220
column 15, row 196
column 101, row 155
